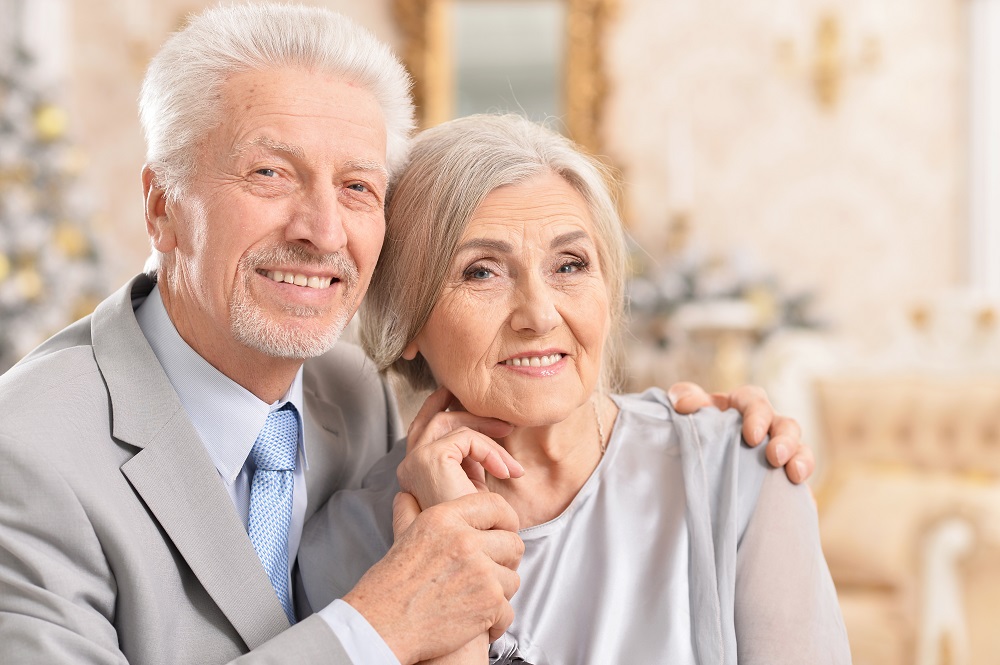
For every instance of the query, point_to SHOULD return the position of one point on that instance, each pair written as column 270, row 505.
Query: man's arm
column 59, row 597
column 57, row 592
column 447, row 578
column 785, row 447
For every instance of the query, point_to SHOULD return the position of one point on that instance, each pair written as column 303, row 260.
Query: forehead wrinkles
column 546, row 233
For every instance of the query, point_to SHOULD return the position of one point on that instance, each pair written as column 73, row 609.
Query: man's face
column 273, row 241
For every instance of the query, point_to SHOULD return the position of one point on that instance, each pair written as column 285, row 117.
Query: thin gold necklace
column 600, row 428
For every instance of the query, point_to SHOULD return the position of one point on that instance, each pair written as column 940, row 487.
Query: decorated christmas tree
column 50, row 273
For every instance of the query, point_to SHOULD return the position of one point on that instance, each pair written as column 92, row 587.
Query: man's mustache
column 337, row 263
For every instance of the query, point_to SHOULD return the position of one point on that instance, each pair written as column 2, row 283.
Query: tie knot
column 277, row 442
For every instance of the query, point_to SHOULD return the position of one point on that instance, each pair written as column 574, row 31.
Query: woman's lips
column 534, row 361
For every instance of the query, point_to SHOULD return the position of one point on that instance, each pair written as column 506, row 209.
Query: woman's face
column 520, row 326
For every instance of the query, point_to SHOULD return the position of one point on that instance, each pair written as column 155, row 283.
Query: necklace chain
column 600, row 428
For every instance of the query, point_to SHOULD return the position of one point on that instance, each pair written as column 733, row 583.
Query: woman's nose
column 534, row 307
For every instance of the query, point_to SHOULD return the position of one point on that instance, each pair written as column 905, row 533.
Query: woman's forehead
column 545, row 204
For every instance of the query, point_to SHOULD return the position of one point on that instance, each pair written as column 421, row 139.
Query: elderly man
column 161, row 456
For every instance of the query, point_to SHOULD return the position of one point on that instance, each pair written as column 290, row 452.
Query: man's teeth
column 534, row 361
column 300, row 280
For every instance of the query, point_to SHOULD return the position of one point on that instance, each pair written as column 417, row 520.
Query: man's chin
column 287, row 342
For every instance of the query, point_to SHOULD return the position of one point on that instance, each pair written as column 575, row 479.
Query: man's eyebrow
column 498, row 246
column 272, row 145
column 367, row 165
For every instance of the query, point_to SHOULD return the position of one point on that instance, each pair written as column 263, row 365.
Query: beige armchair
column 910, row 515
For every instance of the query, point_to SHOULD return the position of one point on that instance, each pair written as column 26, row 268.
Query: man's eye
column 358, row 187
column 267, row 173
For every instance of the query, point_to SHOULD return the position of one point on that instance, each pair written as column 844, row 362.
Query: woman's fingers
column 454, row 465
column 466, row 444
column 433, row 422
column 437, row 402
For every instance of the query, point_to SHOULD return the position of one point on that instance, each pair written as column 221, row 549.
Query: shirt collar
column 227, row 416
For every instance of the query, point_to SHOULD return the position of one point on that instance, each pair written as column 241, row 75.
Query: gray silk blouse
column 684, row 546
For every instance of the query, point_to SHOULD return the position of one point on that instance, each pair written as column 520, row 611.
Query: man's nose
column 319, row 222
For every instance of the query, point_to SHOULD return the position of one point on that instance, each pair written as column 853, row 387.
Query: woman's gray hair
column 451, row 170
column 179, row 101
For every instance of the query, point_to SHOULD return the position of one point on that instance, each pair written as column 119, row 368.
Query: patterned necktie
column 271, row 498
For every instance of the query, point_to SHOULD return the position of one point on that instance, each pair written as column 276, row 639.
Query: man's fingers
column 688, row 397
column 786, row 440
column 757, row 420
column 780, row 450
column 757, row 411
column 404, row 510
column 503, row 623
column 505, row 548
column 801, row 466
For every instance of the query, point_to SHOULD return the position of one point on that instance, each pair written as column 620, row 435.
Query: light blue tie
column 271, row 497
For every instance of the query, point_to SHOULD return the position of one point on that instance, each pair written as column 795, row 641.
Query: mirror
column 537, row 57
column 507, row 57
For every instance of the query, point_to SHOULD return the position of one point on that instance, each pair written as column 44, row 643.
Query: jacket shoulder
column 345, row 368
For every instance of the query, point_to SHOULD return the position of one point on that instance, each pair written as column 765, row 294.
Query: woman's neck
column 557, row 459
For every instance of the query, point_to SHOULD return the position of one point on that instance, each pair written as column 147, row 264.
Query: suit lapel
column 323, row 431
column 174, row 475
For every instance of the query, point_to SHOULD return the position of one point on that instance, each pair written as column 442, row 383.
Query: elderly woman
column 650, row 537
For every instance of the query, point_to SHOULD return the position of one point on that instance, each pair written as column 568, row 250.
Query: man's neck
column 267, row 377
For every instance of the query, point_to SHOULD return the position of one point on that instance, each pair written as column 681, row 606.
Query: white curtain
column 984, row 146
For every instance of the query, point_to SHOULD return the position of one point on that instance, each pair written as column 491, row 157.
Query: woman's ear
column 411, row 350
column 158, row 222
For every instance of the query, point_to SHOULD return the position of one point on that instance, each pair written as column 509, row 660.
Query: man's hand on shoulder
column 785, row 447
column 448, row 577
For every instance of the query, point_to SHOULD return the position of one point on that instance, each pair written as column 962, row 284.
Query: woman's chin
column 530, row 416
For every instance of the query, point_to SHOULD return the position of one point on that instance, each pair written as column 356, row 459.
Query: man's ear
column 410, row 351
column 159, row 226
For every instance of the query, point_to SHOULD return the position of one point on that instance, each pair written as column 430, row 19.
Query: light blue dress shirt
column 228, row 418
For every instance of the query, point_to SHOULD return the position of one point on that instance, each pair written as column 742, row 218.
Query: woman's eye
column 267, row 173
column 572, row 266
column 479, row 273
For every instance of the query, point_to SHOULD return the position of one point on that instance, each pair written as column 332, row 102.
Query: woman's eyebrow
column 568, row 238
column 498, row 246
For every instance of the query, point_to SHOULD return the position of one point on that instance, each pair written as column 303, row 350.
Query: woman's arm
column 786, row 608
column 448, row 454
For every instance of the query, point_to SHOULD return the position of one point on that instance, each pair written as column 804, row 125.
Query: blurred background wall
column 814, row 193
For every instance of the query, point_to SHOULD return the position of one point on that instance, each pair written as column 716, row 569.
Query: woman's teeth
column 299, row 280
column 534, row 361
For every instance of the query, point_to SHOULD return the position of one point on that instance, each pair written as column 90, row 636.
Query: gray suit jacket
column 118, row 540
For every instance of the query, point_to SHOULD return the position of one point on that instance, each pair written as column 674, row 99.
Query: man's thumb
column 404, row 510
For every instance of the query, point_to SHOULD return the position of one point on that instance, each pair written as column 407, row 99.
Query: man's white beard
column 253, row 328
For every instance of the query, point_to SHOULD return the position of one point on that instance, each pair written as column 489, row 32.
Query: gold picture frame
column 426, row 50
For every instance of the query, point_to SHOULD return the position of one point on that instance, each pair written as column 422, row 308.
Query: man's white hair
column 179, row 101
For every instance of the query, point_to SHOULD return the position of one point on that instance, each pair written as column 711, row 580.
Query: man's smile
column 298, row 279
